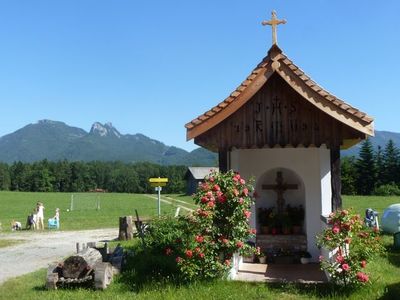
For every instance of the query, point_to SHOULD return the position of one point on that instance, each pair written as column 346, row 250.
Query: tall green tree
column 5, row 179
column 391, row 163
column 349, row 175
column 366, row 169
column 380, row 166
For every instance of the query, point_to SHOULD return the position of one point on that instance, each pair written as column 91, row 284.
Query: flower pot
column 286, row 230
column 274, row 231
column 248, row 259
column 263, row 259
column 297, row 229
column 265, row 229
column 304, row 260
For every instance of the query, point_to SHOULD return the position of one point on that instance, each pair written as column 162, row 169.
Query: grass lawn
column 18, row 205
column 6, row 243
column 385, row 280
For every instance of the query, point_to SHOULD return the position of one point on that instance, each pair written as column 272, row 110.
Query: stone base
column 293, row 242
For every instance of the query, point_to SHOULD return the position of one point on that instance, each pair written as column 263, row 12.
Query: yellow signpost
column 158, row 183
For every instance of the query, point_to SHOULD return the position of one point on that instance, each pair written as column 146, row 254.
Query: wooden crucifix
column 274, row 22
column 280, row 187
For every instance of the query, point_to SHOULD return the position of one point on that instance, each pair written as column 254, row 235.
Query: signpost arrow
column 158, row 183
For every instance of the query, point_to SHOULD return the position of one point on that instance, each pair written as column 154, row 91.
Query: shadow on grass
column 392, row 292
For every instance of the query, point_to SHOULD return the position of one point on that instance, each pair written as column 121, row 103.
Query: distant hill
column 380, row 139
column 55, row 140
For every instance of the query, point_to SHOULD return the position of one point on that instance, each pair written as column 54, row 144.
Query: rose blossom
column 345, row 267
column 211, row 204
column 242, row 181
column 199, row 238
column 211, row 179
column 335, row 230
column 216, row 188
column 241, row 200
column 239, row 244
column 189, row 253
column 247, row 213
column 340, row 259
column 201, row 255
column 168, row 251
column 204, row 199
column 363, row 264
column 245, row 192
column 362, row 277
column 227, row 262
column 225, row 241
column 178, row 259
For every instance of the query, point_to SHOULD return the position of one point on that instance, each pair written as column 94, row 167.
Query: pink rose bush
column 354, row 245
column 201, row 245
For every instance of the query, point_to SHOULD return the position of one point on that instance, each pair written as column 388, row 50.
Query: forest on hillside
column 65, row 176
column 373, row 172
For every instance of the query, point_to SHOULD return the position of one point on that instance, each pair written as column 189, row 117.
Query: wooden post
column 223, row 160
column 125, row 228
column 335, row 178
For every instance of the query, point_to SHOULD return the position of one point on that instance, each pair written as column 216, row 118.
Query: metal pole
column 159, row 200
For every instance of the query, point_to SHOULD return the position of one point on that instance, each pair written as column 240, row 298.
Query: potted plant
column 305, row 257
column 262, row 258
column 297, row 216
column 286, row 224
column 262, row 216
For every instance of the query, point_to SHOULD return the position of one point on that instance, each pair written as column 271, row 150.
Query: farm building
column 194, row 175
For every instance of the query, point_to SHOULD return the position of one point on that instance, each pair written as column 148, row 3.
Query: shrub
column 202, row 245
column 355, row 245
column 387, row 190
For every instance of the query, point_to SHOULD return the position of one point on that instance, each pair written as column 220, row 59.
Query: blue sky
column 152, row 66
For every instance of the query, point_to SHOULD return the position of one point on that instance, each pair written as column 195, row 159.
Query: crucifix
column 280, row 187
column 274, row 22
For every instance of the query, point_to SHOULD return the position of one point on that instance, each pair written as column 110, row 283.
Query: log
column 125, row 228
column 103, row 275
column 78, row 266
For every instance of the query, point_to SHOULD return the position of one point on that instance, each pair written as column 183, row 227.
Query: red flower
column 201, row 255
column 242, row 181
column 321, row 258
column 345, row 267
column 211, row 204
column 252, row 231
column 219, row 194
column 362, row 277
column 335, row 229
column 211, row 179
column 247, row 213
column 227, row 262
column 178, row 259
column 197, row 250
column 209, row 194
column 205, row 187
column 216, row 188
column 189, row 253
column 239, row 244
column 199, row 238
column 347, row 240
column 168, row 251
column 204, row 199
column 363, row 264
column 241, row 200
column 235, row 179
column 225, row 241
column 245, row 192
column 222, row 199
column 340, row 259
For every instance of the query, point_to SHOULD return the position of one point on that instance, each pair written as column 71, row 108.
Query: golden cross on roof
column 273, row 23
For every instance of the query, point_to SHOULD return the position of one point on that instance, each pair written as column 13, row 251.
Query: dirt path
column 39, row 249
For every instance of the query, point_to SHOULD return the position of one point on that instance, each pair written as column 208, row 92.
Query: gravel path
column 39, row 249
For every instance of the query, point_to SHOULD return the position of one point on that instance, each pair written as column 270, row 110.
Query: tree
column 5, row 179
column 380, row 167
column 349, row 175
column 391, row 163
column 366, row 170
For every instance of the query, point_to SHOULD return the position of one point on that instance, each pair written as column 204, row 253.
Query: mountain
column 380, row 139
column 55, row 140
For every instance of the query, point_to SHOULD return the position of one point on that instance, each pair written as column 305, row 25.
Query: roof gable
column 279, row 63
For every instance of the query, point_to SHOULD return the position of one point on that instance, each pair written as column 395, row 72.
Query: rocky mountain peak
column 106, row 129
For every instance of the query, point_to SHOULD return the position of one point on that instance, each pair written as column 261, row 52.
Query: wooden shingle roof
column 277, row 62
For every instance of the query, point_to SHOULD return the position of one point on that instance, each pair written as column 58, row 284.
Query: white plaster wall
column 312, row 165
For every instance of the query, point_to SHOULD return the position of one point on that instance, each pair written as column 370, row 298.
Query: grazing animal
column 15, row 225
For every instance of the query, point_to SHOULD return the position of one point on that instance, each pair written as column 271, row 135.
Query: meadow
column 85, row 215
column 385, row 279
